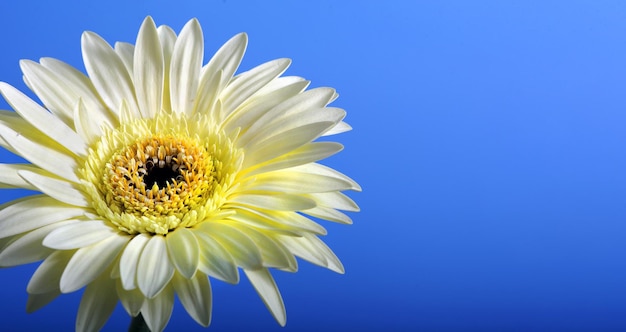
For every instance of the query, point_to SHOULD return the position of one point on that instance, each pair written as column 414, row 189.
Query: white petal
column 78, row 235
column 132, row 300
column 312, row 249
column 88, row 124
column 185, row 67
column 7, row 240
column 335, row 200
column 282, row 82
column 41, row 153
column 305, row 102
column 130, row 260
column 294, row 220
column 81, row 85
column 273, row 253
column 89, row 262
column 248, row 113
column 208, row 95
column 9, row 177
column 250, row 217
column 195, row 295
column 332, row 262
column 247, row 83
column 295, row 182
column 10, row 119
column 28, row 247
column 108, row 73
column 295, row 120
column 303, row 248
column 37, row 301
column 155, row 269
column 275, row 202
column 227, row 59
column 157, row 311
column 315, row 168
column 148, row 69
column 168, row 39
column 51, row 90
column 48, row 275
column 32, row 212
column 183, row 249
column 126, row 52
column 239, row 245
column 329, row 214
column 215, row 260
column 339, row 128
column 63, row 191
column 283, row 143
column 115, row 268
column 97, row 304
column 126, row 115
column 305, row 154
column 266, row 288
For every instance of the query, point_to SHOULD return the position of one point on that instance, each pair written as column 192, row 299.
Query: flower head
column 156, row 171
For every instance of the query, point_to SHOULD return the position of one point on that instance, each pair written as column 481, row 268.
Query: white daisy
column 156, row 171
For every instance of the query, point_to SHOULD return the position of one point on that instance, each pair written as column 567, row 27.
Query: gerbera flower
column 156, row 171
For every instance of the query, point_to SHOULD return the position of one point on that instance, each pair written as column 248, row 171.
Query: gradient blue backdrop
column 489, row 140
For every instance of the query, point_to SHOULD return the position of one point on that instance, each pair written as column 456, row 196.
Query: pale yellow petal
column 158, row 310
column 319, row 169
column 309, row 100
column 334, row 200
column 167, row 37
column 41, row 152
column 273, row 253
column 155, row 269
column 28, row 248
column 61, row 190
column 148, row 69
column 108, row 73
column 238, row 244
column 185, row 67
column 29, row 213
column 247, row 83
column 226, row 59
column 97, row 304
column 132, row 300
column 195, row 295
column 89, row 262
column 330, row 214
column 48, row 275
column 183, row 249
column 265, row 100
column 126, row 52
column 9, row 177
column 44, row 121
column 38, row 301
column 305, row 154
column 82, row 87
column 284, row 142
column 129, row 261
column 266, row 287
column 215, row 260
column 78, row 235
column 280, row 202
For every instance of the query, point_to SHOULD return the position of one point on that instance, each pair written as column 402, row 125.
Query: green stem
column 138, row 324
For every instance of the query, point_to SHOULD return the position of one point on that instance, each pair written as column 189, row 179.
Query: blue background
column 489, row 140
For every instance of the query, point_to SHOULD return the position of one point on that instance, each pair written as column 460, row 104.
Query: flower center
column 159, row 176
column 151, row 176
